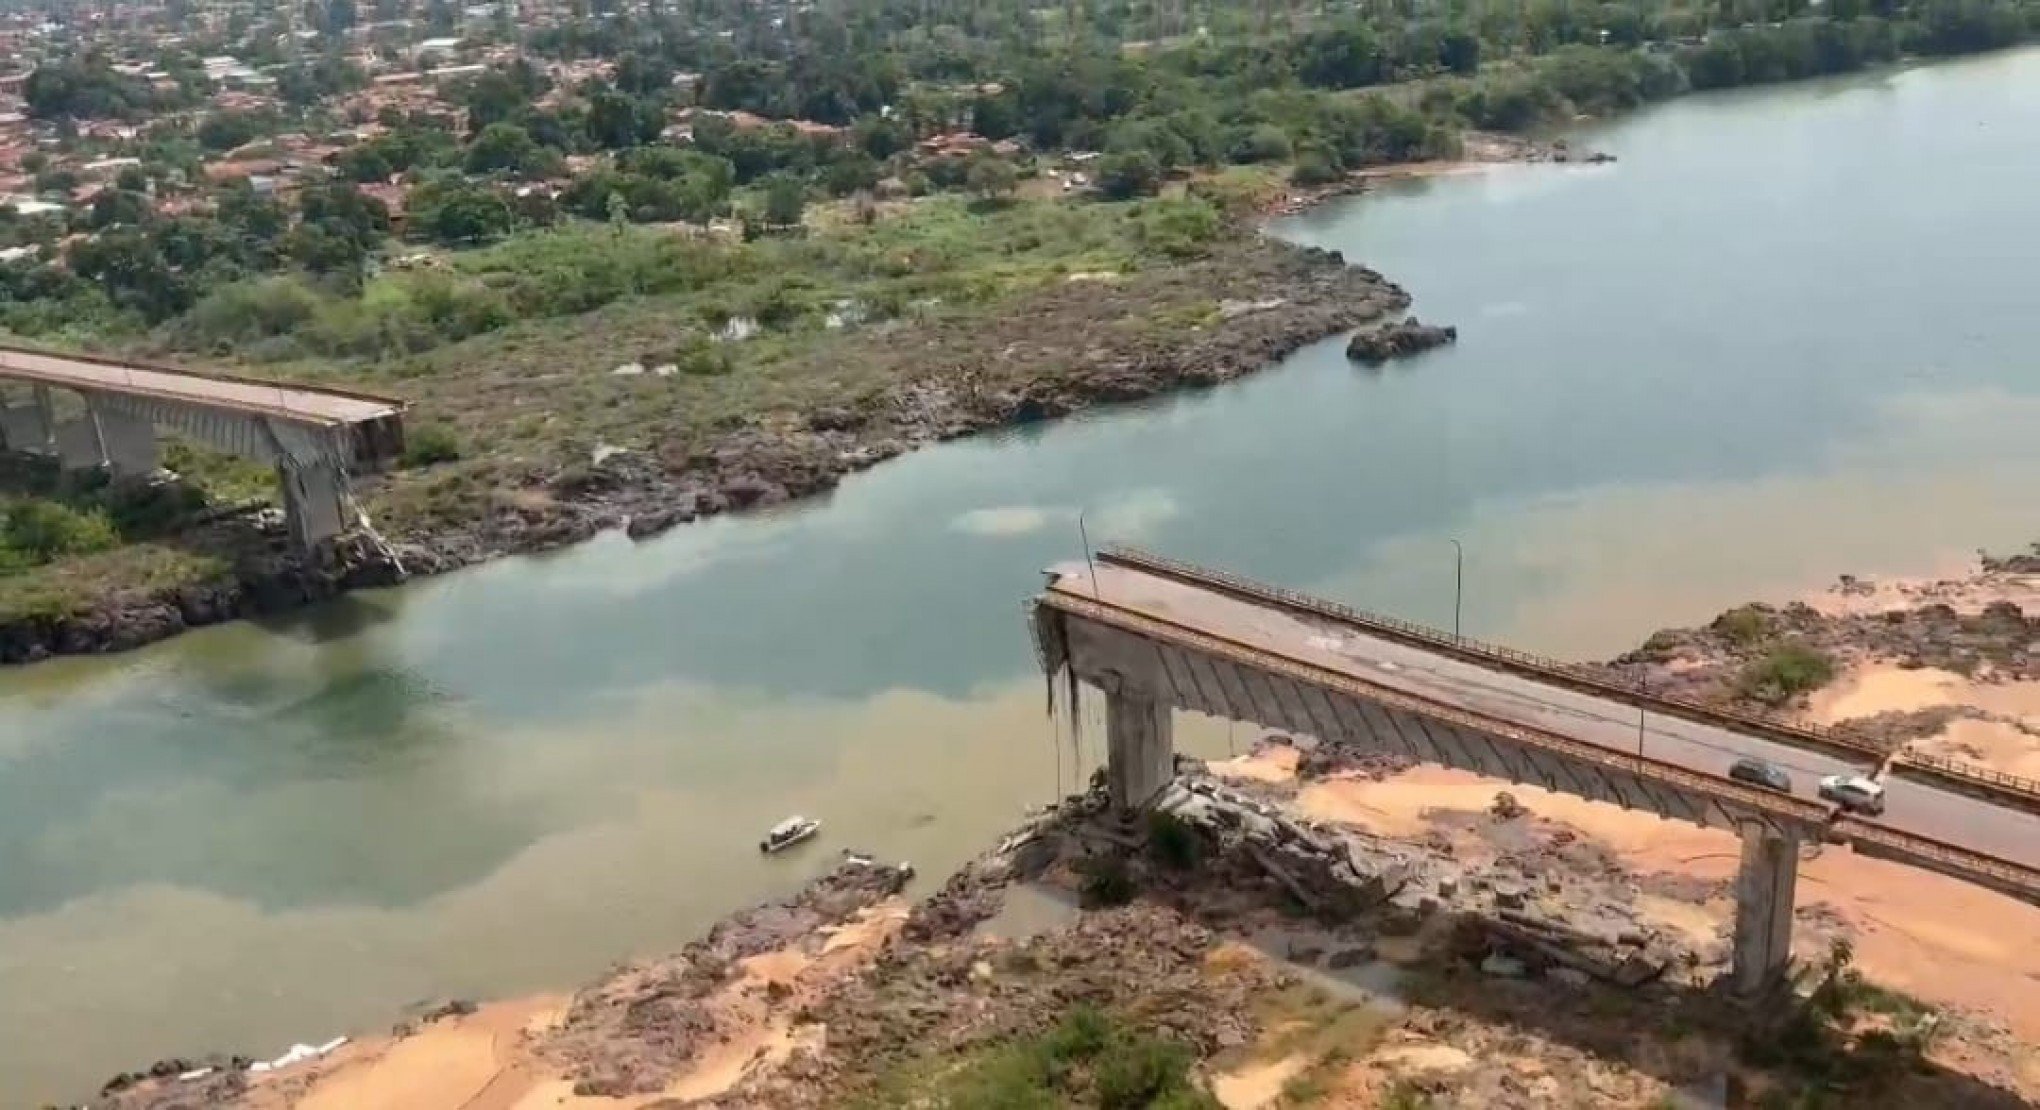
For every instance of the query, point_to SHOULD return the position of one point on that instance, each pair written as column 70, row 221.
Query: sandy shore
column 1479, row 151
column 741, row 1018
column 809, row 1002
column 1946, row 942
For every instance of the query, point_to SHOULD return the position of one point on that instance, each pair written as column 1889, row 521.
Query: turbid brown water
column 1787, row 335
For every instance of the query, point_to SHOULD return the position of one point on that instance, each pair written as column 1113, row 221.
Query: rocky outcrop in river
column 1398, row 340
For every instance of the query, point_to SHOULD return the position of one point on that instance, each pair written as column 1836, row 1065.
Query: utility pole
column 1643, row 689
column 1085, row 537
column 1458, row 583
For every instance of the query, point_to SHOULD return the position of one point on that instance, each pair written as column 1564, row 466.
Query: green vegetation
column 943, row 250
column 1789, row 669
column 1842, row 1034
column 64, row 539
column 1745, row 627
column 36, row 532
column 1328, row 1033
column 1089, row 1060
column 1404, row 1094
column 1107, row 881
column 1172, row 842
column 1323, row 92
column 1316, row 1082
column 427, row 444
column 505, row 243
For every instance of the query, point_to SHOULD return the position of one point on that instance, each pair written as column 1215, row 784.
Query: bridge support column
column 46, row 415
column 1764, row 891
column 1140, row 743
column 313, row 502
column 127, row 444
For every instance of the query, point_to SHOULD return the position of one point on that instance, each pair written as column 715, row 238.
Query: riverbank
column 1238, row 303
column 1300, row 926
column 1478, row 150
column 1322, row 923
column 841, row 403
column 1946, row 667
column 847, row 987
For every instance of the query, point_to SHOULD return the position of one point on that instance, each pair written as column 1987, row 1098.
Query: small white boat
column 788, row 833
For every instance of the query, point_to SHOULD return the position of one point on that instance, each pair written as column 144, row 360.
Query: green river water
column 1791, row 333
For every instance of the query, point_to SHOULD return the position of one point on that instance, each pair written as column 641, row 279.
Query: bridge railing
column 1843, row 827
column 1807, row 814
column 2023, row 791
column 1971, row 863
column 202, row 374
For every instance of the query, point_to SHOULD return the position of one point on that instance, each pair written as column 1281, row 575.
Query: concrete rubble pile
column 1325, row 871
column 1513, row 921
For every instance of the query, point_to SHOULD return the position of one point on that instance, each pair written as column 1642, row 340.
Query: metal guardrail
column 1963, row 859
column 2023, row 791
column 1783, row 806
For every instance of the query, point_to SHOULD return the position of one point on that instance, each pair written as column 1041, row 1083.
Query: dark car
column 1756, row 772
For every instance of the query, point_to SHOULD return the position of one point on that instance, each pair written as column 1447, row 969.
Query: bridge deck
column 298, row 404
column 1912, row 808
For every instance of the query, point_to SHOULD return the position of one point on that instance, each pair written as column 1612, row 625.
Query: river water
column 1791, row 333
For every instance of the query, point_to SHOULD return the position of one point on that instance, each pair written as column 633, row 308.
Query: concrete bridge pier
column 314, row 501
column 1764, row 890
column 29, row 427
column 46, row 419
column 1140, row 747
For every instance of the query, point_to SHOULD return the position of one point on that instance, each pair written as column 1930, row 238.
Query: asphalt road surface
column 2004, row 832
column 289, row 402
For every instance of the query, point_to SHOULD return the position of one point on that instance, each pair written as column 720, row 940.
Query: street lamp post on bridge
column 1458, row 582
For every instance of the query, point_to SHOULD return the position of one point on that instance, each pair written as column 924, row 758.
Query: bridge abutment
column 1140, row 743
column 1765, row 887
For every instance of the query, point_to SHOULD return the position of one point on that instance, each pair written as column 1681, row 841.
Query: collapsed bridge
column 1156, row 635
column 315, row 437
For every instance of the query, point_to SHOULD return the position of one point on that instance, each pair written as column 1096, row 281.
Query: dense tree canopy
column 1146, row 93
column 87, row 88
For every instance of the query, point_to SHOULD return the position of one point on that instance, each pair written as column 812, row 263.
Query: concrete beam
column 1182, row 678
column 1140, row 747
column 1765, row 886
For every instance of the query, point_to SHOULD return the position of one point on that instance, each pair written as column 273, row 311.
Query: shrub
column 1139, row 1071
column 427, row 444
column 1178, row 228
column 1107, row 882
column 137, row 508
column 698, row 356
column 1745, row 627
column 1082, row 1034
column 1313, row 169
column 250, row 310
column 1265, row 143
column 1172, row 841
column 42, row 531
column 1128, row 174
column 1404, row 1095
column 1787, row 671
column 1088, row 1059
